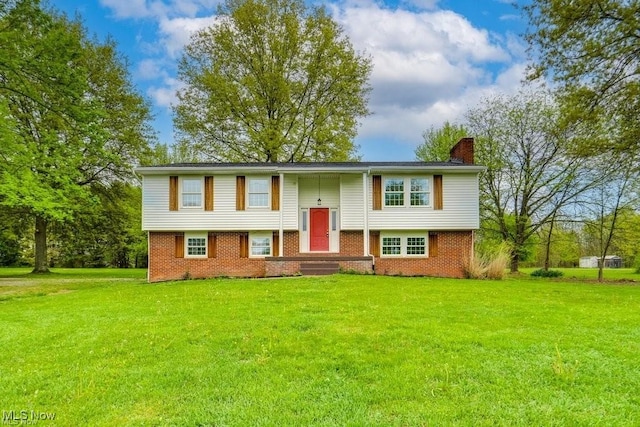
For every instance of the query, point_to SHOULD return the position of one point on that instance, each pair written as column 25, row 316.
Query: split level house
column 273, row 219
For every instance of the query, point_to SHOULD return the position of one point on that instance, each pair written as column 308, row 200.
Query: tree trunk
column 600, row 269
column 515, row 262
column 547, row 252
column 41, row 246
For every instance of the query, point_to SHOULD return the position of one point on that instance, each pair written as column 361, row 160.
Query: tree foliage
column 531, row 172
column 272, row 80
column 109, row 234
column 70, row 117
column 437, row 142
column 591, row 49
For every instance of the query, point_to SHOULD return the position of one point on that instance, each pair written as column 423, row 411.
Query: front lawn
column 337, row 350
column 591, row 274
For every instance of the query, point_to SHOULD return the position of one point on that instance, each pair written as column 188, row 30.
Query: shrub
column 473, row 268
column 546, row 273
column 497, row 265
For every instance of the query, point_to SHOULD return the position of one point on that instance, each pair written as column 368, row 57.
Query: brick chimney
column 462, row 151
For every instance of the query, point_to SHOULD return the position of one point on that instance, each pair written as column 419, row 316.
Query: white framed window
column 191, row 192
column 403, row 243
column 258, row 192
column 391, row 246
column 416, row 246
column 260, row 244
column 419, row 192
column 394, row 192
column 196, row 245
column 407, row 192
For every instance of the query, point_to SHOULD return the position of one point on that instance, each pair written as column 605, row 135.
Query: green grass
column 610, row 274
column 103, row 349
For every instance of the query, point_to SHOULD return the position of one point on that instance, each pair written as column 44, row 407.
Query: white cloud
column 429, row 67
column 150, row 69
column 136, row 8
column 165, row 95
column 510, row 17
column 423, row 4
column 175, row 33
column 395, row 122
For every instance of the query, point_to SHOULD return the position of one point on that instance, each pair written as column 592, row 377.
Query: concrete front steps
column 317, row 264
column 319, row 268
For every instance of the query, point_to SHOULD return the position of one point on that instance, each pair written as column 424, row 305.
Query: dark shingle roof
column 314, row 165
column 309, row 167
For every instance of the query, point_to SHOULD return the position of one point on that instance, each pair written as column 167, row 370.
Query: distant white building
column 610, row 261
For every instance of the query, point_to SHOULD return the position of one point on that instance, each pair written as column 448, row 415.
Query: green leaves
column 591, row 51
column 69, row 116
column 438, row 142
column 272, row 81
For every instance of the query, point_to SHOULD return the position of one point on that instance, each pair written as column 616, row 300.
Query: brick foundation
column 163, row 265
column 351, row 243
column 453, row 248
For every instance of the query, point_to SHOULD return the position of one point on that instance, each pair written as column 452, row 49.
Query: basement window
column 196, row 246
column 260, row 244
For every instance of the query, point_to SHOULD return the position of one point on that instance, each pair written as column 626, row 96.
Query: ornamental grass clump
column 487, row 266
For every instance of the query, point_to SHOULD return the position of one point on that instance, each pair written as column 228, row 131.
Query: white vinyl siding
column 344, row 193
column 328, row 191
column 157, row 217
column 461, row 210
column 289, row 205
column 352, row 201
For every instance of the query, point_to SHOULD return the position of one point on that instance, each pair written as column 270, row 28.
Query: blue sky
column 433, row 59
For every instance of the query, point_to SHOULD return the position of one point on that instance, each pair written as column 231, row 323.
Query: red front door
column 319, row 219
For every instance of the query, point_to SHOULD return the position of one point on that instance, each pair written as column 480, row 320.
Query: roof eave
column 230, row 169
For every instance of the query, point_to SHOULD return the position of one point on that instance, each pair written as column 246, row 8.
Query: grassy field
column 102, row 347
column 589, row 274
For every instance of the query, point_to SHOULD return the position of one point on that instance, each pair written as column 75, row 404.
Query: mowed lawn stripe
column 336, row 350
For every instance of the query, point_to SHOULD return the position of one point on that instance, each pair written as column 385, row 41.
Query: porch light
column 319, row 201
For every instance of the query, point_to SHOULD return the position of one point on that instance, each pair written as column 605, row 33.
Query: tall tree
column 608, row 202
column 437, row 142
column 531, row 172
column 109, row 234
column 591, row 49
column 272, row 80
column 71, row 117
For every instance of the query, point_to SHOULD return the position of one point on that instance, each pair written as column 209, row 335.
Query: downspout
column 365, row 186
column 280, row 230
